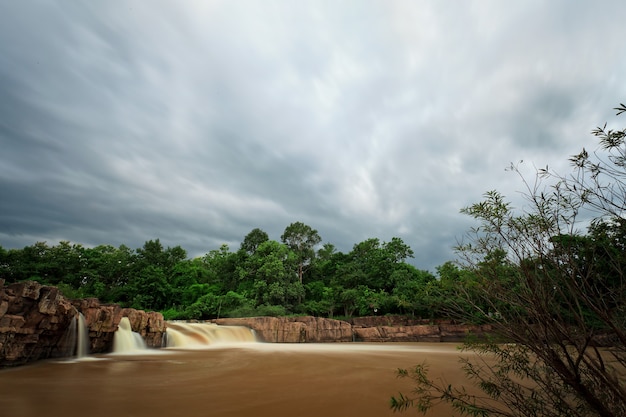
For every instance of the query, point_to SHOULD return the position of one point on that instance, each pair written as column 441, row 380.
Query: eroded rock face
column 360, row 329
column 103, row 319
column 36, row 321
column 417, row 333
column 378, row 321
column 408, row 329
column 294, row 329
column 33, row 323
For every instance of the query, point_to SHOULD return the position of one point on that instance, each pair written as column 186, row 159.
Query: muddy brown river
column 257, row 379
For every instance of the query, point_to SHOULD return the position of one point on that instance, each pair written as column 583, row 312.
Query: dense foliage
column 297, row 275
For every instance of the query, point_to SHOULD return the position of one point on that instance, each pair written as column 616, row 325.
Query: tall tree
column 301, row 239
column 274, row 277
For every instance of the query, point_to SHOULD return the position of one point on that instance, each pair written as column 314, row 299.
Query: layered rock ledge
column 36, row 323
column 33, row 323
column 360, row 329
column 103, row 320
column 294, row 329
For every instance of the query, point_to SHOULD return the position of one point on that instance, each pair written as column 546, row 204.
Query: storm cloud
column 195, row 122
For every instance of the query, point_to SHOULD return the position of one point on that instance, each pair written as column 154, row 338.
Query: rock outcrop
column 362, row 329
column 294, row 329
column 36, row 322
column 417, row 333
column 377, row 321
column 103, row 319
column 33, row 323
column 408, row 329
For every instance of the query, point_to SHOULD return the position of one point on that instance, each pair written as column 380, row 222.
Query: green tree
column 221, row 265
column 555, row 295
column 349, row 299
column 153, row 253
column 321, row 299
column 150, row 284
column 454, row 292
column 150, row 289
column 275, row 281
column 370, row 302
column 65, row 264
column 373, row 262
column 324, row 267
column 301, row 239
column 107, row 270
column 327, row 251
column 411, row 290
column 252, row 240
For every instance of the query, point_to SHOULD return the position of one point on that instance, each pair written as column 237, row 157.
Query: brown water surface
column 273, row 380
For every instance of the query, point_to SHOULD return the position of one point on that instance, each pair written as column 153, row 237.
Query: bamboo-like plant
column 554, row 296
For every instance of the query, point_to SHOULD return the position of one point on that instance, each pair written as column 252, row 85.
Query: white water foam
column 181, row 335
column 127, row 342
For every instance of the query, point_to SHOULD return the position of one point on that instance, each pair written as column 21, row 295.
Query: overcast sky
column 197, row 121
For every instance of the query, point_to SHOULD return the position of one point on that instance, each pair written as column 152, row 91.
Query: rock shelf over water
column 359, row 329
column 35, row 321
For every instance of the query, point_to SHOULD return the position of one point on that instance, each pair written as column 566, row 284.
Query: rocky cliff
column 33, row 323
column 361, row 329
column 36, row 322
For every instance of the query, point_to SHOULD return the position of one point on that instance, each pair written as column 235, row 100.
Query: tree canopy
column 296, row 275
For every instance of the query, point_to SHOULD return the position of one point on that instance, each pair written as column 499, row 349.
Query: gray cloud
column 195, row 122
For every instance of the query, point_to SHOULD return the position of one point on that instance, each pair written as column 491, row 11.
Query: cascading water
column 202, row 335
column 76, row 340
column 69, row 339
column 82, row 340
column 127, row 341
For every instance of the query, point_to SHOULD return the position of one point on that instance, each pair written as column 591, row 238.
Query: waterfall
column 203, row 335
column 75, row 342
column 82, row 339
column 68, row 342
column 127, row 341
